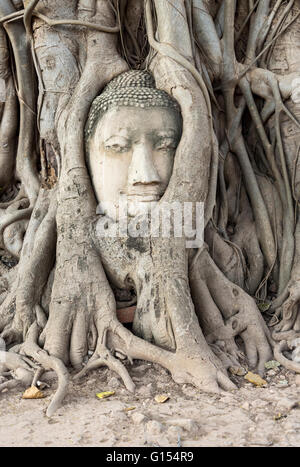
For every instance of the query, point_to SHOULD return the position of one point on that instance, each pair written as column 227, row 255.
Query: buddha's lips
column 144, row 197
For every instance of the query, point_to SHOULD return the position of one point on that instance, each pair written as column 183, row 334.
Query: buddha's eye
column 166, row 144
column 117, row 145
column 116, row 148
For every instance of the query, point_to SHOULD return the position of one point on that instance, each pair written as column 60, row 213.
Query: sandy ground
column 250, row 416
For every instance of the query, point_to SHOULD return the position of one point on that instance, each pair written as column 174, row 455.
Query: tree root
column 278, row 354
column 12, row 217
column 10, row 384
column 26, row 155
column 48, row 362
column 26, row 373
column 18, row 366
column 36, row 262
column 6, row 317
column 201, row 369
column 103, row 357
column 10, row 361
column 285, row 335
column 290, row 316
column 8, row 132
column 226, row 311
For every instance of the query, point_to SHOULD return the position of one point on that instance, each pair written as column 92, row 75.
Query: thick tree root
column 34, row 267
column 278, row 354
column 48, row 362
column 226, row 311
column 26, row 373
column 285, row 335
column 6, row 318
column 193, row 366
column 17, row 366
column 11, row 361
column 288, row 329
column 103, row 357
column 289, row 311
column 10, row 384
column 202, row 370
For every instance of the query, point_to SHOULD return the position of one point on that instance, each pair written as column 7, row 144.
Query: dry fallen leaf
column 128, row 409
column 255, row 379
column 271, row 364
column 103, row 395
column 161, row 398
column 33, row 393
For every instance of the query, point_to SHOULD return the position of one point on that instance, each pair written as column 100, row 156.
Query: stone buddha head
column 132, row 133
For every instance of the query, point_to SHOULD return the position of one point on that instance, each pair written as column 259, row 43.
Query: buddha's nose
column 142, row 170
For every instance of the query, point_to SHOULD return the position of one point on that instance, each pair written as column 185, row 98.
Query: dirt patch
column 249, row 416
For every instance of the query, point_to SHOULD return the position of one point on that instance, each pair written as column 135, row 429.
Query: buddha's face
column 132, row 153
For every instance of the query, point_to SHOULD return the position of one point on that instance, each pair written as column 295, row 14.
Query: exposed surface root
column 199, row 368
column 17, row 366
column 103, row 357
column 226, row 311
column 10, row 384
column 48, row 362
column 202, row 370
column 285, row 335
column 289, row 311
column 278, row 354
column 10, row 361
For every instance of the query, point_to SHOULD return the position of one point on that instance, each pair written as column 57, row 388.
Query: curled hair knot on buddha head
column 135, row 88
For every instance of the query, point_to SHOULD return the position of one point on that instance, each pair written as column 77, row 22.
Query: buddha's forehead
column 131, row 121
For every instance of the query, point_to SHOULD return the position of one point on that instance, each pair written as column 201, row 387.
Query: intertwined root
column 225, row 311
column 48, row 362
column 18, row 366
column 281, row 347
column 290, row 316
column 203, row 370
column 65, row 338
column 288, row 328
column 104, row 357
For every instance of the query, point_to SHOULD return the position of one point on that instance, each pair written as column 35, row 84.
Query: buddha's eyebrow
column 119, row 131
